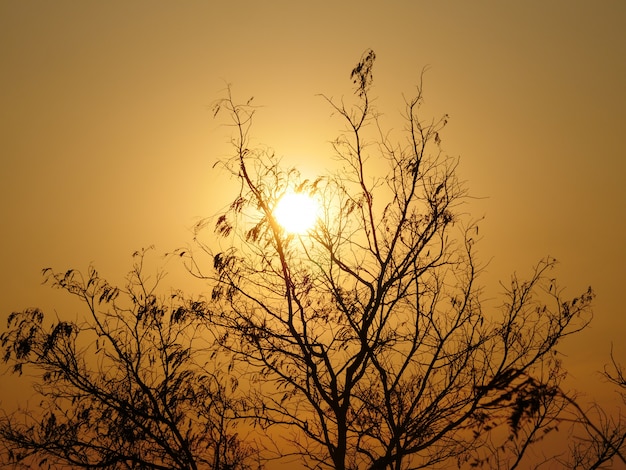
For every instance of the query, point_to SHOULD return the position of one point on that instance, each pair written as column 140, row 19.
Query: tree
column 597, row 438
column 362, row 343
column 126, row 387
column 365, row 338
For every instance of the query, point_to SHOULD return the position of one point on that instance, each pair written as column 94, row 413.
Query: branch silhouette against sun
column 366, row 336
column 353, row 338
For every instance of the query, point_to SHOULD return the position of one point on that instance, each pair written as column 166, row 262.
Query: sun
column 296, row 212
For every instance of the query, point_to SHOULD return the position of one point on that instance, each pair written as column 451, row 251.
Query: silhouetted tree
column 365, row 339
column 363, row 343
column 597, row 437
column 132, row 385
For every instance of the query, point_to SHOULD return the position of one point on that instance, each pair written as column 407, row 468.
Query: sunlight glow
column 296, row 212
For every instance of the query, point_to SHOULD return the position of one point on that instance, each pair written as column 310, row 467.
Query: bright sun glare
column 296, row 212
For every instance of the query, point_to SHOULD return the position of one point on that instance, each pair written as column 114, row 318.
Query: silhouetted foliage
column 366, row 339
column 364, row 343
column 132, row 385
column 597, row 437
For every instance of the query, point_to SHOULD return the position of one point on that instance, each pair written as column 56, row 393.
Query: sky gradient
column 108, row 142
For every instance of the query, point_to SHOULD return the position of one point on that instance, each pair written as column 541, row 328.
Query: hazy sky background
column 107, row 140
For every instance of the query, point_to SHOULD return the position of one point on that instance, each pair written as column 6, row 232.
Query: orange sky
column 107, row 140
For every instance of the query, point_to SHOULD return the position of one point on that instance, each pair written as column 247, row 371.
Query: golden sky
column 107, row 140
